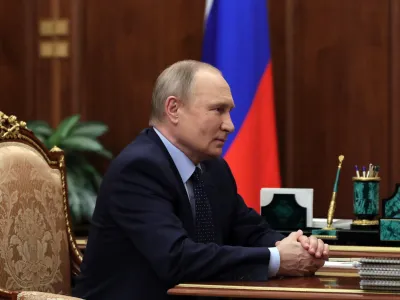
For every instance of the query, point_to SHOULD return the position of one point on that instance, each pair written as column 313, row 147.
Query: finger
column 319, row 263
column 304, row 241
column 320, row 249
column 313, row 244
column 315, row 265
column 295, row 235
column 326, row 252
column 325, row 257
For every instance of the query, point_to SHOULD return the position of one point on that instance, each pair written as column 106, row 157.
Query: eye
column 219, row 109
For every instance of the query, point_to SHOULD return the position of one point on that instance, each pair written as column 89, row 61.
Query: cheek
column 209, row 131
column 207, row 127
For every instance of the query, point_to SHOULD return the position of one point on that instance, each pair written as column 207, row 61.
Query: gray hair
column 176, row 80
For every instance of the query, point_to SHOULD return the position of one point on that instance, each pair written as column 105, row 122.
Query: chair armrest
column 7, row 295
column 43, row 296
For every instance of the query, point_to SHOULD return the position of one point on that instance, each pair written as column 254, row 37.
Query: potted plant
column 78, row 140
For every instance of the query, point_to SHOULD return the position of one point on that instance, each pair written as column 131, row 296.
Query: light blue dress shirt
column 186, row 168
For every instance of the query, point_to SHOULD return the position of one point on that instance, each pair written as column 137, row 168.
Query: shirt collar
column 184, row 165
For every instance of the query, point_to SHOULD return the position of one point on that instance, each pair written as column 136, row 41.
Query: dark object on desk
column 389, row 224
column 284, row 212
column 351, row 237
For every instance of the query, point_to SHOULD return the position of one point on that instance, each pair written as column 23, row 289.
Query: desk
column 342, row 286
column 359, row 251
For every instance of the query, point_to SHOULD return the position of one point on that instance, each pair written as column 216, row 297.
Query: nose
column 227, row 124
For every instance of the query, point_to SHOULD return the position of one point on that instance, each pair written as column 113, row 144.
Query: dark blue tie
column 205, row 232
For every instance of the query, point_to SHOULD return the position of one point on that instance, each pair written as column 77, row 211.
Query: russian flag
column 236, row 41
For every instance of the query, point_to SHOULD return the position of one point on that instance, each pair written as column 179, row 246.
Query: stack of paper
column 379, row 274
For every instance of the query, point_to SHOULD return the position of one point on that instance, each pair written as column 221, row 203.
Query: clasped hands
column 301, row 255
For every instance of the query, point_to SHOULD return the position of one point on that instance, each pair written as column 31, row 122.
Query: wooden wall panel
column 336, row 77
column 47, row 74
column 17, row 57
column 337, row 93
column 56, row 74
column 70, row 68
column 31, row 87
column 280, row 61
column 124, row 48
column 394, row 92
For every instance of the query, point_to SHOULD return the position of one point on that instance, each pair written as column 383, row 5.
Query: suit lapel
column 183, row 208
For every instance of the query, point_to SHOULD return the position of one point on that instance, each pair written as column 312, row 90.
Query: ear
column 172, row 105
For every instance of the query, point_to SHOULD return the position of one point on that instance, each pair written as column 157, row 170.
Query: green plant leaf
column 78, row 164
column 81, row 193
column 40, row 128
column 63, row 130
column 81, row 143
column 95, row 175
column 73, row 197
column 88, row 202
column 89, row 129
column 79, row 176
column 105, row 153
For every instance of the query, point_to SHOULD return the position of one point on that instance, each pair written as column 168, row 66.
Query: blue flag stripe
column 236, row 41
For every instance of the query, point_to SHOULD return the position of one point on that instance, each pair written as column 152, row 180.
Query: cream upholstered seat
column 38, row 252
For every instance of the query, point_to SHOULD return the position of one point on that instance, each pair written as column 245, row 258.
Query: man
column 168, row 209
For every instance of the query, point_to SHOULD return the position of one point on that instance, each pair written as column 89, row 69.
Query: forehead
column 205, row 78
column 212, row 86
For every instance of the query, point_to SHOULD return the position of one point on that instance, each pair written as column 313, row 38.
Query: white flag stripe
column 209, row 4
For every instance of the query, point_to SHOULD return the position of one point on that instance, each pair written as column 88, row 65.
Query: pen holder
column 366, row 201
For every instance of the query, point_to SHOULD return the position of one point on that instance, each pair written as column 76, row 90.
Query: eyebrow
column 225, row 105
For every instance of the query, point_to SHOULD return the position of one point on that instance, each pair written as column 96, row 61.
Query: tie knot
column 196, row 174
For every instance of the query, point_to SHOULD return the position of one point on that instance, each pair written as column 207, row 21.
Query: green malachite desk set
column 389, row 224
column 366, row 199
column 365, row 229
column 365, row 202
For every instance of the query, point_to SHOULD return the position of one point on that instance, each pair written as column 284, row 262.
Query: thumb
column 295, row 235
column 277, row 243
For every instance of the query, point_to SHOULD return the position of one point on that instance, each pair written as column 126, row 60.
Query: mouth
column 221, row 140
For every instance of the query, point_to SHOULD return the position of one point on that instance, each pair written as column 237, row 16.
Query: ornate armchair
column 38, row 253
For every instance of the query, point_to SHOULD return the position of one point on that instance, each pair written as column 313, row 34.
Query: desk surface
column 345, row 286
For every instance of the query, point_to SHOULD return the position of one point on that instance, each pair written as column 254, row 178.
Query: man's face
column 204, row 120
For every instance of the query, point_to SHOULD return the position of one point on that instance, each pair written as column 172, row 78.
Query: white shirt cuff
column 274, row 262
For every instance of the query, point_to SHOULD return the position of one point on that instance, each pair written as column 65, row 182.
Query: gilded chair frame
column 12, row 130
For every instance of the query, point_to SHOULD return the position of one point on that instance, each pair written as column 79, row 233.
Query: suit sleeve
column 249, row 228
column 142, row 206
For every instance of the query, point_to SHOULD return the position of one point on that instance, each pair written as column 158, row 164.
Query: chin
column 216, row 153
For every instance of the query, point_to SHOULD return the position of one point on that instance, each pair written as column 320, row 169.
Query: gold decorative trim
column 5, row 292
column 35, row 146
column 9, row 126
column 55, row 149
column 366, row 222
column 326, row 237
column 366, row 178
column 364, row 249
column 81, row 241
column 279, row 289
column 337, row 274
column 66, row 210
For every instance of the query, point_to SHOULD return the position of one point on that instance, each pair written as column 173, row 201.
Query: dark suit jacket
column 141, row 238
